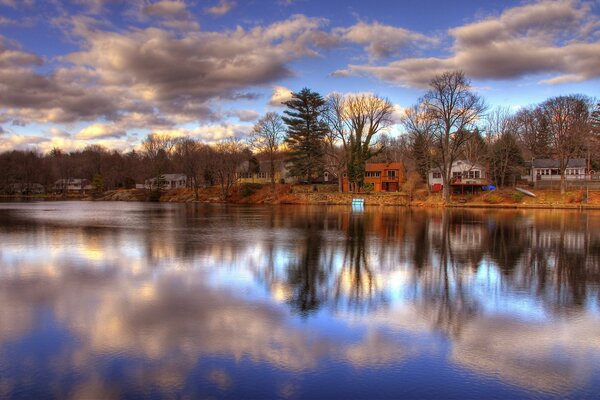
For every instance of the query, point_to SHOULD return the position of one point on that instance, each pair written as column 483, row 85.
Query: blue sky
column 80, row 72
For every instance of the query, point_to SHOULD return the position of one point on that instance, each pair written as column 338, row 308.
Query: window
column 372, row 174
column 262, row 175
column 437, row 175
column 456, row 174
column 472, row 174
column 391, row 173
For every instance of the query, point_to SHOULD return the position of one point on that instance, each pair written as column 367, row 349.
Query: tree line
column 339, row 133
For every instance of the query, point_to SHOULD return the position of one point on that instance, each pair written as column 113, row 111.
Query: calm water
column 133, row 300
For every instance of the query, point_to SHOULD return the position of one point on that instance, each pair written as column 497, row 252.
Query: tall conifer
column 305, row 134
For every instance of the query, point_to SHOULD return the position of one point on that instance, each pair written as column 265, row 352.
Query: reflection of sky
column 489, row 290
column 176, row 305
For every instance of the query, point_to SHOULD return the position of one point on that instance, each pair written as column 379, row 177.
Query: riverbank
column 328, row 195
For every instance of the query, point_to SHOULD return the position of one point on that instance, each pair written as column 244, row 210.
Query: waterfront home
column 72, row 185
column 259, row 172
column 464, row 175
column 385, row 177
column 167, row 181
column 545, row 169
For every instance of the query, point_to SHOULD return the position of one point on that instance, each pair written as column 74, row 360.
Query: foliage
column 492, row 198
column 98, row 184
column 518, row 197
column 154, row 195
column 248, row 189
column 305, row 134
column 368, row 187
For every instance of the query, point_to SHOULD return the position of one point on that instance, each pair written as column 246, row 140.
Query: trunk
column 563, row 182
column 445, row 188
column 272, row 172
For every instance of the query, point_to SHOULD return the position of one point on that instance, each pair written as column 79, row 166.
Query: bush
column 492, row 198
column 576, row 197
column 248, row 189
column 518, row 197
column 155, row 195
column 368, row 187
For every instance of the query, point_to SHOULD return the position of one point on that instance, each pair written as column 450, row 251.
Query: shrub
column 368, row 187
column 248, row 189
column 154, row 195
column 518, row 197
column 576, row 197
column 492, row 198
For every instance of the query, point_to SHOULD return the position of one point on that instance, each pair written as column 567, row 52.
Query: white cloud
column 382, row 40
column 280, row 94
column 222, row 8
column 244, row 115
column 165, row 7
column 555, row 37
column 100, row 131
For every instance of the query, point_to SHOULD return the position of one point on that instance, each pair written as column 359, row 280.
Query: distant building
column 464, row 175
column 26, row 188
column 167, row 181
column 260, row 172
column 385, row 177
column 72, row 185
column 545, row 169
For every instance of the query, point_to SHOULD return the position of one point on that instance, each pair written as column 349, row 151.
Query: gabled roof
column 549, row 163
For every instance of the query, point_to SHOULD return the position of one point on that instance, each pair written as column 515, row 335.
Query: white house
column 545, row 169
column 72, row 185
column 168, row 181
column 464, row 173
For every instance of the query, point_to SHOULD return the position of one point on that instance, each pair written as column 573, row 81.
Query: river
column 151, row 300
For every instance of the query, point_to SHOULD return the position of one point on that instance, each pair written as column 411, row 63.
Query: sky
column 80, row 72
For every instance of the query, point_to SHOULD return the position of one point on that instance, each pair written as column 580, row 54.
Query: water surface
column 137, row 300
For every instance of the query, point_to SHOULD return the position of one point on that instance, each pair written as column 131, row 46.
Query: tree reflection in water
column 344, row 260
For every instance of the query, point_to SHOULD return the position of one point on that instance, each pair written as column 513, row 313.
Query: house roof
column 383, row 166
column 549, row 163
column 458, row 163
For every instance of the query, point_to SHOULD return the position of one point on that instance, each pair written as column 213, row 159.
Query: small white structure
column 26, row 188
column 72, row 185
column 545, row 169
column 167, row 181
column 463, row 173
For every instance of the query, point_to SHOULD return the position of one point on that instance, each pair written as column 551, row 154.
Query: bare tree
column 157, row 149
column 419, row 127
column 532, row 131
column 356, row 120
column 453, row 110
column 229, row 155
column 503, row 153
column 267, row 137
column 336, row 139
column 188, row 154
column 569, row 128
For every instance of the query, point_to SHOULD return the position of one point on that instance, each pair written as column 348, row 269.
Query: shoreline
column 301, row 196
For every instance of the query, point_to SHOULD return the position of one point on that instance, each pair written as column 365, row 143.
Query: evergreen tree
column 595, row 120
column 305, row 133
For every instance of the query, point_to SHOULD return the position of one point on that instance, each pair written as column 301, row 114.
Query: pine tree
column 595, row 120
column 305, row 133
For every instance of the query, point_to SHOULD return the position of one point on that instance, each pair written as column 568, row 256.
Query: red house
column 385, row 177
